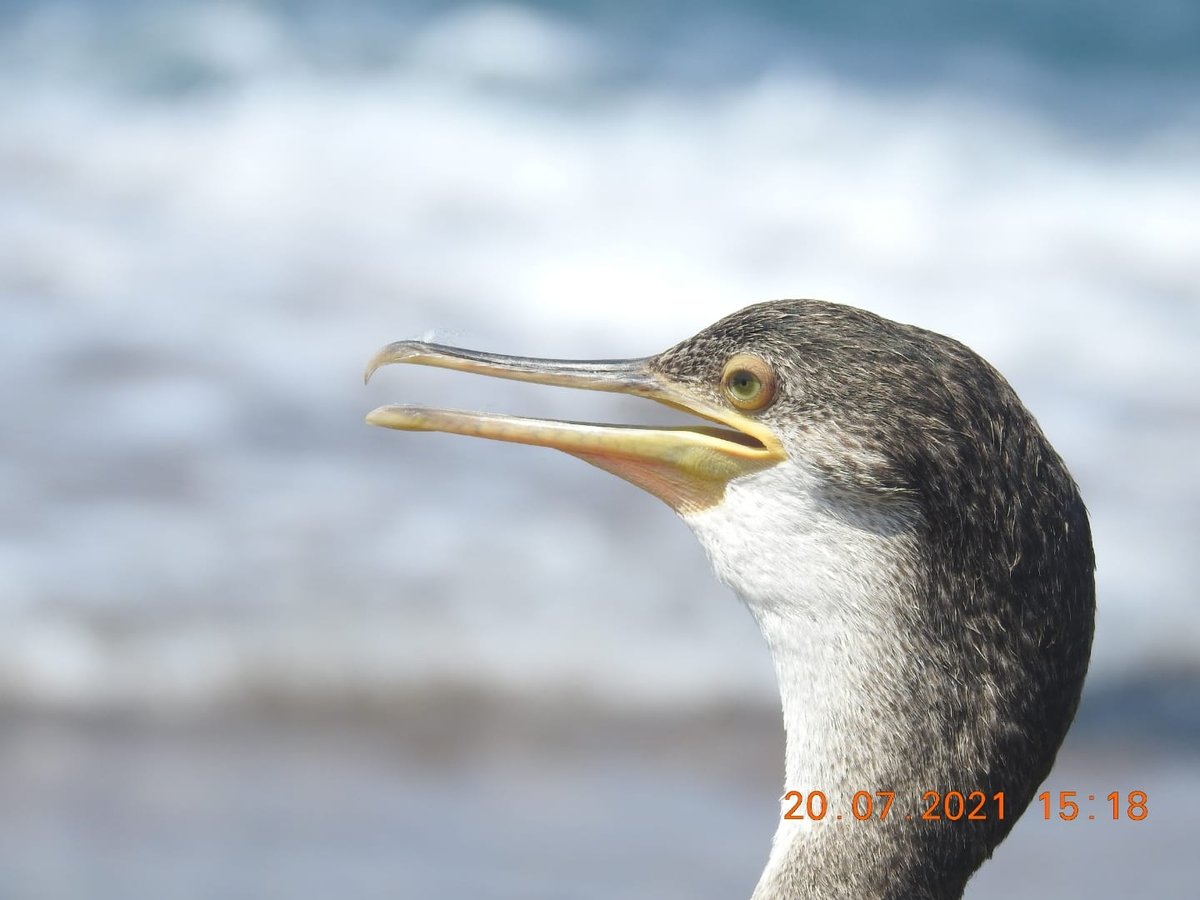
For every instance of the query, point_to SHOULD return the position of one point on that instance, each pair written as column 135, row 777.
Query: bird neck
column 852, row 711
column 859, row 686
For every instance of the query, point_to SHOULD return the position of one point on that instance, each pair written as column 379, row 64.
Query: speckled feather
column 942, row 634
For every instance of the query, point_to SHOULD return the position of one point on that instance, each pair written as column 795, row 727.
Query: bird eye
column 748, row 382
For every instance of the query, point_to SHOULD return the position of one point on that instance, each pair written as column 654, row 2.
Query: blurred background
column 252, row 647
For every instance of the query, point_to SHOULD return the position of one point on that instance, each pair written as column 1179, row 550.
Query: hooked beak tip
column 395, row 352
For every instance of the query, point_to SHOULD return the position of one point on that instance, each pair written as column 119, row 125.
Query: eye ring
column 748, row 382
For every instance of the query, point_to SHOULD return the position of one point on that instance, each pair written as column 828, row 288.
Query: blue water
column 212, row 214
column 1155, row 39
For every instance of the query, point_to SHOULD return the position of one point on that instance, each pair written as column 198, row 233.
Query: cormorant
column 915, row 552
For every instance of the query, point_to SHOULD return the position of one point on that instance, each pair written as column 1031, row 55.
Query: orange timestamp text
column 953, row 806
column 1069, row 806
column 966, row 806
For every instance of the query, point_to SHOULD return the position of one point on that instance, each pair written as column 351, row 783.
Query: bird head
column 914, row 550
column 814, row 416
column 686, row 466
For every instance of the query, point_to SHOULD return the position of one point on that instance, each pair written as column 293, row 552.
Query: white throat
column 823, row 579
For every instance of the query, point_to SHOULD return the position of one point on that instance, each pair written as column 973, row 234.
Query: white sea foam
column 191, row 285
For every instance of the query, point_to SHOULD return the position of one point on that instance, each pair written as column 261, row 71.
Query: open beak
column 687, row 467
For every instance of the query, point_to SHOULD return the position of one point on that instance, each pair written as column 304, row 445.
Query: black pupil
column 743, row 382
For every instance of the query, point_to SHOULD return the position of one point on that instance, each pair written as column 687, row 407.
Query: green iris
column 744, row 385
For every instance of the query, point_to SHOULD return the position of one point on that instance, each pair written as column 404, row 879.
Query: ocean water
column 212, row 214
